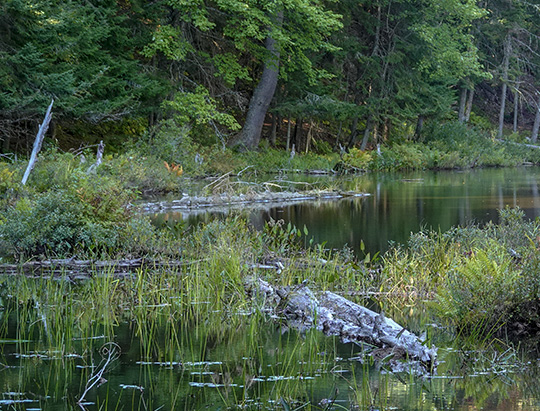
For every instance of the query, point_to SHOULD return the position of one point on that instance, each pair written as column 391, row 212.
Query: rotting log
column 351, row 322
column 241, row 200
column 83, row 269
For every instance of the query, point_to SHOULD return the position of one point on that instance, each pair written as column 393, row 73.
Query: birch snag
column 468, row 110
column 99, row 158
column 516, row 108
column 38, row 142
column 462, row 104
column 505, row 67
column 536, row 126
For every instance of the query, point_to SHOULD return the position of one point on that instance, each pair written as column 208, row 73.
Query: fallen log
column 335, row 315
column 82, row 269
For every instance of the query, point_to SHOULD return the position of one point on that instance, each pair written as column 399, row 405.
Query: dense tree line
column 358, row 72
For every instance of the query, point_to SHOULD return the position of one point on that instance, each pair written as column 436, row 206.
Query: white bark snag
column 335, row 315
column 536, row 126
column 468, row 110
column 462, row 105
column 505, row 67
column 38, row 142
column 516, row 109
column 99, row 158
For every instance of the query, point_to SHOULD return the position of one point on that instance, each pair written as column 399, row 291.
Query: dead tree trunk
column 516, row 109
column 38, row 142
column 468, row 110
column 309, row 136
column 505, row 68
column 335, row 315
column 367, row 132
column 462, row 105
column 288, row 133
column 536, row 126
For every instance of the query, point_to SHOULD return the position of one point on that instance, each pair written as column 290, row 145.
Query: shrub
column 358, row 158
column 481, row 290
column 88, row 215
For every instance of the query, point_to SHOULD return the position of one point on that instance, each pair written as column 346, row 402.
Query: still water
column 399, row 204
column 223, row 364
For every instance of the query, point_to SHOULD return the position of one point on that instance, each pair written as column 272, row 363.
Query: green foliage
column 79, row 53
column 143, row 173
column 482, row 278
column 358, row 158
column 9, row 182
column 281, row 239
column 198, row 109
column 67, row 211
column 480, row 290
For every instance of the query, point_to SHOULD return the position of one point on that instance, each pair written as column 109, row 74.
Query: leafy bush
column 55, row 222
column 89, row 215
column 9, row 182
column 482, row 276
column 358, row 158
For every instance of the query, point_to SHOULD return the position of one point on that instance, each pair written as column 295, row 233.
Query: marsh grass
column 192, row 328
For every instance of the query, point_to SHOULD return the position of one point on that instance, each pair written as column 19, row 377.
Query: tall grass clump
column 479, row 278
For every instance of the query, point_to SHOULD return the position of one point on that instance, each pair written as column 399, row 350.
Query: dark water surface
column 404, row 203
column 400, row 204
column 257, row 366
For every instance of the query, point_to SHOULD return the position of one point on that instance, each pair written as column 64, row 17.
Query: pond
column 399, row 204
column 122, row 352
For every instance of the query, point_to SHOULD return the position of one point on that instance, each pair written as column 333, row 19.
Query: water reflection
column 402, row 203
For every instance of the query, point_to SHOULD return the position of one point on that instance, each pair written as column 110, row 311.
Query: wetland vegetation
column 178, row 330
column 103, row 306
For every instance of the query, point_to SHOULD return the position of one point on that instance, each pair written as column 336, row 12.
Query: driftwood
column 242, row 200
column 38, row 142
column 86, row 268
column 335, row 315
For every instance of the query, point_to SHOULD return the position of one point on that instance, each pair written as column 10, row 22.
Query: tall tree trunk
column 338, row 136
column 309, row 136
column 462, row 104
column 297, row 135
column 468, row 110
column 354, row 133
column 505, row 67
column 419, row 126
column 367, row 132
column 536, row 126
column 273, row 133
column 288, row 133
column 516, row 109
column 262, row 96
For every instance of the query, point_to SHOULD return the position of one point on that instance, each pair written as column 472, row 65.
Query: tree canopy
column 379, row 68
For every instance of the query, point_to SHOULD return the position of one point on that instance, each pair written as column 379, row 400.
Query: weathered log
column 335, row 315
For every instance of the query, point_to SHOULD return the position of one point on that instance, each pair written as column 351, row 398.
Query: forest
column 319, row 75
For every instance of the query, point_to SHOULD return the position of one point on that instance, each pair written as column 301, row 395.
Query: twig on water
column 109, row 352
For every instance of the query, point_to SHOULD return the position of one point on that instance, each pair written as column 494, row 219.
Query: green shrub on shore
column 480, row 277
column 446, row 146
